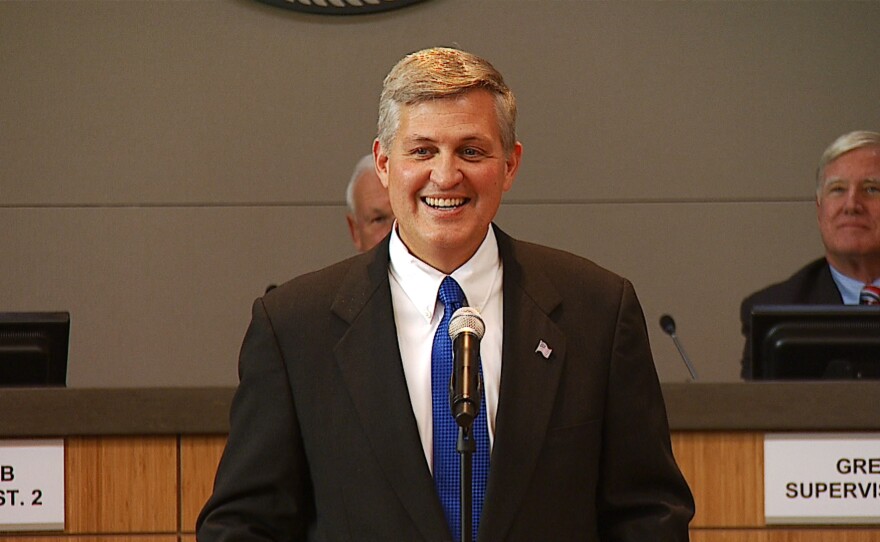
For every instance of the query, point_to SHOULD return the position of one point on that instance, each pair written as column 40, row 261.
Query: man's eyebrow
column 475, row 137
column 417, row 138
column 843, row 180
column 839, row 180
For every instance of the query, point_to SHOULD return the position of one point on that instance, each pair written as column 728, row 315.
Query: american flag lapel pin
column 544, row 350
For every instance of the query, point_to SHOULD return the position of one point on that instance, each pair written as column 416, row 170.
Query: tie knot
column 870, row 295
column 451, row 294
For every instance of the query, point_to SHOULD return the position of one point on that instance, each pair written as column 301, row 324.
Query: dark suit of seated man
column 334, row 429
column 848, row 210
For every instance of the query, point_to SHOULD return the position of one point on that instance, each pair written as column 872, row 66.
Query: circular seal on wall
column 341, row 7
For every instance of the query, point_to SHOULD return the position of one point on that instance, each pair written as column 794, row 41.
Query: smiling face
column 848, row 209
column 446, row 171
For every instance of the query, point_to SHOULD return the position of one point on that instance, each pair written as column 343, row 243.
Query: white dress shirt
column 850, row 288
column 417, row 314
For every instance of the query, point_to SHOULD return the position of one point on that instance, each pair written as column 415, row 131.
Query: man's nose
column 446, row 171
column 854, row 200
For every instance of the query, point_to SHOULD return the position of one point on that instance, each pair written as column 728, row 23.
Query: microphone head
column 466, row 320
column 668, row 324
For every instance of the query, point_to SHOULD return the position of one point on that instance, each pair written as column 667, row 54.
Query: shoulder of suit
column 560, row 265
column 788, row 290
column 321, row 283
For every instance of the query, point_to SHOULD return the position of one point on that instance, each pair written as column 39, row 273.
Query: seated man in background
column 848, row 210
column 369, row 213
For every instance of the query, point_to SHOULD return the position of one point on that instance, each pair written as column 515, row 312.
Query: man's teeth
column 444, row 202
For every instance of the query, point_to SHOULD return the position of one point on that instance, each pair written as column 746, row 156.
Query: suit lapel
column 825, row 291
column 368, row 357
column 529, row 382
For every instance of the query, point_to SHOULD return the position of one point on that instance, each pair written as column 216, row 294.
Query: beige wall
column 161, row 162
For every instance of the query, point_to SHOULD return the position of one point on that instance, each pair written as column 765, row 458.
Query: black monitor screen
column 815, row 342
column 33, row 348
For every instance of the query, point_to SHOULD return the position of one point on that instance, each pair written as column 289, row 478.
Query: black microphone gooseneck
column 466, row 329
column 668, row 325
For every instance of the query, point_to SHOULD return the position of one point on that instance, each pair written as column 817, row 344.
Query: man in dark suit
column 334, row 429
column 848, row 211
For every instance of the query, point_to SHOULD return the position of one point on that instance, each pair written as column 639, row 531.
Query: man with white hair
column 848, row 212
column 369, row 213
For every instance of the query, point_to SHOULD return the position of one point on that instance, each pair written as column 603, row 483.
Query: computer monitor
column 33, row 348
column 815, row 342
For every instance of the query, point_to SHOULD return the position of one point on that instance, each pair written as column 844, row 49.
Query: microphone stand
column 466, row 446
column 668, row 326
column 465, row 390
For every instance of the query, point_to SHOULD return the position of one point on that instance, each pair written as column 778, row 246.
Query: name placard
column 822, row 478
column 32, row 485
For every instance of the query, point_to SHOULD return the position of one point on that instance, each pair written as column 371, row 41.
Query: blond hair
column 443, row 72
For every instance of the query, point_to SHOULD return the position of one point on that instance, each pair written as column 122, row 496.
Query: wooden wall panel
column 121, row 484
column 107, row 538
column 726, row 475
column 728, row 535
column 125, row 489
column 843, row 534
column 199, row 456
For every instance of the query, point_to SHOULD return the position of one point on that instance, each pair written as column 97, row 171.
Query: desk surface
column 764, row 406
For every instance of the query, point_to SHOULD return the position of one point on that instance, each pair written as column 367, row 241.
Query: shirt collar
column 421, row 282
column 849, row 287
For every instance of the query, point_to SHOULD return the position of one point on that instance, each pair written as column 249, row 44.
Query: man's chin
column 856, row 251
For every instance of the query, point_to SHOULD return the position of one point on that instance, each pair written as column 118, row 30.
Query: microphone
column 668, row 325
column 466, row 328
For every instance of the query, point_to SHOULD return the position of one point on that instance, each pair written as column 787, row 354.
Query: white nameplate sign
column 32, row 485
column 822, row 478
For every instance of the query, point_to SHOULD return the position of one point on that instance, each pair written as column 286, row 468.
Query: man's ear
column 355, row 234
column 380, row 157
column 511, row 165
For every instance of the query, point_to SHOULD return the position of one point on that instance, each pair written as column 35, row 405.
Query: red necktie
column 870, row 295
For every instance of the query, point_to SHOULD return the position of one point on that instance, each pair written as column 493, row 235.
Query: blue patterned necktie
column 446, row 459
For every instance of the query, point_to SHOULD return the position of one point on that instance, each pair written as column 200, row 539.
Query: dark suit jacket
column 811, row 285
column 323, row 443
